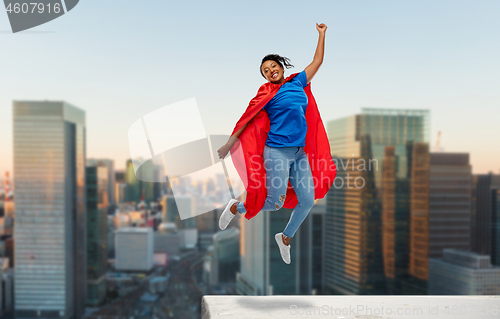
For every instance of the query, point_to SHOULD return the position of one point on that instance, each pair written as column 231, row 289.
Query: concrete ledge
column 350, row 307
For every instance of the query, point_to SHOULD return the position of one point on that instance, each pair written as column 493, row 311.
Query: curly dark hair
column 281, row 60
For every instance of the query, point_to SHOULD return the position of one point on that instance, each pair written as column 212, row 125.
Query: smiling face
column 273, row 72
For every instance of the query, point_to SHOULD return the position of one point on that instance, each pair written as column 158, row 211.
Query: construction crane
column 6, row 186
column 438, row 140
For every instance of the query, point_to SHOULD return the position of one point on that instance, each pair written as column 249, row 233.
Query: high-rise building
column 97, row 230
column 209, row 222
column 440, row 211
column 50, row 228
column 6, row 291
column 262, row 270
column 8, row 245
column 223, row 260
column 9, row 208
column 137, row 190
column 485, row 222
column 416, row 283
column 208, row 225
column 368, row 207
column 110, row 191
column 170, row 210
column 6, row 223
column 120, row 187
column 317, row 242
column 205, row 239
column 450, row 190
column 461, row 272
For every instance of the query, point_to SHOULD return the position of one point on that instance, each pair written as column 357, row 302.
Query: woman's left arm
column 312, row 68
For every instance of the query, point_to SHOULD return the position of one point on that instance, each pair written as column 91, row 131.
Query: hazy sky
column 121, row 60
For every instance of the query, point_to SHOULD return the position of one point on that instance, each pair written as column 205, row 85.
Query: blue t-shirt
column 287, row 114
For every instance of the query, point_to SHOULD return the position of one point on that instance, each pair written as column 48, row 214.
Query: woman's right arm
column 225, row 148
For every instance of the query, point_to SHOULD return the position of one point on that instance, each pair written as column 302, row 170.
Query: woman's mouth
column 275, row 75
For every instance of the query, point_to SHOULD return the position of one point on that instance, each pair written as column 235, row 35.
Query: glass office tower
column 485, row 228
column 50, row 228
column 97, row 184
column 110, row 191
column 368, row 207
column 137, row 190
column 420, row 215
column 262, row 270
column 450, row 202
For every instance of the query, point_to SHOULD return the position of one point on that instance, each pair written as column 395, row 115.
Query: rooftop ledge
column 350, row 307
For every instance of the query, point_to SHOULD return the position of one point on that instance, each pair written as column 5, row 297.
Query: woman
column 285, row 155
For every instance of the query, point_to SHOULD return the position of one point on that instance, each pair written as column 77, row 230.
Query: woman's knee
column 278, row 201
column 307, row 201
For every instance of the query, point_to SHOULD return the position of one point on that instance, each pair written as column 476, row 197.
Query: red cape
column 249, row 162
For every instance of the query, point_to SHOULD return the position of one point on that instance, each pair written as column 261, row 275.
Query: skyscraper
column 223, row 261
column 440, row 211
column 416, row 283
column 137, row 190
column 262, row 270
column 50, row 228
column 170, row 210
column 110, row 189
column 450, row 190
column 317, row 216
column 485, row 222
column 120, row 187
column 97, row 230
column 368, row 207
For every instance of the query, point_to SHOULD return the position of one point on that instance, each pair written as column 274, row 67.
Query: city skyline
column 433, row 148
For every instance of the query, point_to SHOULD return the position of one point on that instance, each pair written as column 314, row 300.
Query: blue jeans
column 282, row 164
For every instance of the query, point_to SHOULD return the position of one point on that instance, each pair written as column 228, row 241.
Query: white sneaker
column 284, row 249
column 226, row 216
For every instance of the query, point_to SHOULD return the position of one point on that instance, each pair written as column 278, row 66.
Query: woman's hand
column 224, row 150
column 321, row 28
column 312, row 68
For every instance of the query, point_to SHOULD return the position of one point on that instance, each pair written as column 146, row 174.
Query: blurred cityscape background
column 81, row 239
column 415, row 208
